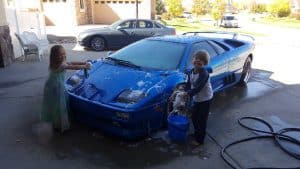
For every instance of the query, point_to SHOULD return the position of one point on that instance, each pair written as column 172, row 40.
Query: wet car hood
column 111, row 79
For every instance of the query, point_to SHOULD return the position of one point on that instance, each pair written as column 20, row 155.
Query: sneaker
column 195, row 143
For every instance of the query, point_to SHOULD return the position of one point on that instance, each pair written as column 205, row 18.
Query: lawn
column 182, row 25
column 283, row 22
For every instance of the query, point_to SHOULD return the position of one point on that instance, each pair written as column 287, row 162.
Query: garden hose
column 278, row 137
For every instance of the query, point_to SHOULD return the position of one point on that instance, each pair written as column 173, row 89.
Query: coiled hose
column 278, row 137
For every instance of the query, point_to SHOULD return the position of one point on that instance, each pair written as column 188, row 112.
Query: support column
column 6, row 48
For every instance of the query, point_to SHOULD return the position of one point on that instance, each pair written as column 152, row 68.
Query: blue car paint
column 98, row 107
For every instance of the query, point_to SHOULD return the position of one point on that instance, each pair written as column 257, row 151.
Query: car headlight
column 82, row 36
column 74, row 80
column 131, row 96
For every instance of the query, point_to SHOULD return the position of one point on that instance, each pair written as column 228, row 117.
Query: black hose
column 277, row 136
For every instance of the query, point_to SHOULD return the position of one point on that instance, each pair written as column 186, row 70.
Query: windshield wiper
column 124, row 62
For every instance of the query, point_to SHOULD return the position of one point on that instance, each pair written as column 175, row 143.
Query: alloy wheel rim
column 248, row 72
column 97, row 44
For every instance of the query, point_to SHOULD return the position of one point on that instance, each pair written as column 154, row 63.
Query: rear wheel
column 246, row 74
column 97, row 43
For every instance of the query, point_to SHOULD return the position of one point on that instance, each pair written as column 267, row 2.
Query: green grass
column 283, row 22
column 182, row 25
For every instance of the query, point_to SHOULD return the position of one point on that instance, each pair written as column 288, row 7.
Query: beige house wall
column 2, row 14
column 109, row 11
column 83, row 16
column 69, row 13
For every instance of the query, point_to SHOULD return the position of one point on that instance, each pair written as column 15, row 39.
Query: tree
column 175, row 7
column 258, row 8
column 280, row 8
column 160, row 7
column 200, row 7
column 218, row 9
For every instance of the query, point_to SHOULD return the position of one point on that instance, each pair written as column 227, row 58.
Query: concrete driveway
column 272, row 94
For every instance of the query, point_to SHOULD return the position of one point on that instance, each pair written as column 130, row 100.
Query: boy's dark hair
column 55, row 61
column 203, row 56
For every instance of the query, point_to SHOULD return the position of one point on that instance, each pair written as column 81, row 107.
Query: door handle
column 152, row 33
column 132, row 33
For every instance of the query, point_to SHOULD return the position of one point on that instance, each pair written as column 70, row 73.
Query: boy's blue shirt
column 200, row 82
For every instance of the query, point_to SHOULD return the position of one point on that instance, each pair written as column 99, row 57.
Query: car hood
column 109, row 80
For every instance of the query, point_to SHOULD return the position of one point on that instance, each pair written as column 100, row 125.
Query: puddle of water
column 256, row 89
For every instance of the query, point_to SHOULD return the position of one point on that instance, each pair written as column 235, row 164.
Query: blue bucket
column 178, row 127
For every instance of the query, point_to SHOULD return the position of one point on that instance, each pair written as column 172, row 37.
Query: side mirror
column 109, row 53
column 209, row 69
column 119, row 28
column 187, row 70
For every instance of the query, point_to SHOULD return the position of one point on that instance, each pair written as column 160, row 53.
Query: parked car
column 187, row 14
column 122, row 33
column 126, row 94
column 229, row 21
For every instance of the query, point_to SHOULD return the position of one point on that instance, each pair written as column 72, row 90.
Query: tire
column 246, row 74
column 97, row 43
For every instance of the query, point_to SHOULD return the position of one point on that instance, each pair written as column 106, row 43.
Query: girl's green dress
column 54, row 108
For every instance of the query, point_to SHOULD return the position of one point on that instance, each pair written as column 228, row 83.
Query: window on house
column 64, row 0
column 108, row 2
column 81, row 4
column 43, row 0
column 126, row 2
column 114, row 2
column 132, row 2
column 102, row 2
column 57, row 0
column 120, row 2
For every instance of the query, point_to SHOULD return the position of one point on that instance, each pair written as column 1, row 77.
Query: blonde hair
column 203, row 56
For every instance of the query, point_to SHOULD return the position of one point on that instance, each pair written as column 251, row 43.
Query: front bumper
column 136, row 123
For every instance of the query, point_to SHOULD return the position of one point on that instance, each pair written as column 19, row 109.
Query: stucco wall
column 108, row 11
column 81, row 14
column 2, row 14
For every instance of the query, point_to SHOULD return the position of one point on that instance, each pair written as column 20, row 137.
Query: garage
column 109, row 11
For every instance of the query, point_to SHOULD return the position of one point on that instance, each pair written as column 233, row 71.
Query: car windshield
column 115, row 24
column 230, row 18
column 152, row 54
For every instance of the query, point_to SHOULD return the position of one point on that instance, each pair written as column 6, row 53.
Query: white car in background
column 229, row 21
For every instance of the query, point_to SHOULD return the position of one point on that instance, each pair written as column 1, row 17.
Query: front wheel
column 97, row 43
column 246, row 74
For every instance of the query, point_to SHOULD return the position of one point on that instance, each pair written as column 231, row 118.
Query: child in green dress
column 54, row 110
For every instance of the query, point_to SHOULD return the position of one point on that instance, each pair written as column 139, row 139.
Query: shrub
column 280, row 8
column 166, row 16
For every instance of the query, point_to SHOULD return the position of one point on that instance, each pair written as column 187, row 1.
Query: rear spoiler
column 227, row 35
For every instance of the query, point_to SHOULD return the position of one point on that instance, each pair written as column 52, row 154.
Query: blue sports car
column 126, row 93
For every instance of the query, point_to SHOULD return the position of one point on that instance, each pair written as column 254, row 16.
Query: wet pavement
column 26, row 143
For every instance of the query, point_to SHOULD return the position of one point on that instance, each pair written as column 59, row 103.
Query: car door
column 218, row 63
column 124, row 33
column 143, row 30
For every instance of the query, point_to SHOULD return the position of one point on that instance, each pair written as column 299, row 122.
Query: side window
column 142, row 24
column 218, row 48
column 201, row 46
column 158, row 25
column 145, row 24
column 126, row 25
column 149, row 24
